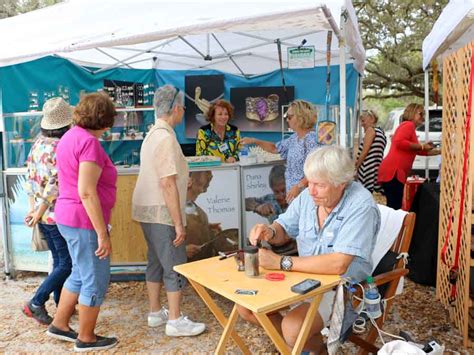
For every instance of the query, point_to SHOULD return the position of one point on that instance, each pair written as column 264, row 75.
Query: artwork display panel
column 258, row 109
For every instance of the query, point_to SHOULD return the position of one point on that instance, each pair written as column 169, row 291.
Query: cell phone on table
column 305, row 286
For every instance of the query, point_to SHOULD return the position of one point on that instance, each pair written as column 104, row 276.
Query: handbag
column 38, row 243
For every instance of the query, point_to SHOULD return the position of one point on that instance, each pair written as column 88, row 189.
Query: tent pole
column 4, row 230
column 133, row 56
column 229, row 55
column 342, row 89
column 427, row 118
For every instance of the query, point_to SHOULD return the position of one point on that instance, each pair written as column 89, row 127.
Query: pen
column 228, row 255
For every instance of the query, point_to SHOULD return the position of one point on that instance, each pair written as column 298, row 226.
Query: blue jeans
column 90, row 275
column 61, row 265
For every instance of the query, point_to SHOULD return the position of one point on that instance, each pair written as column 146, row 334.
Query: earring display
column 125, row 93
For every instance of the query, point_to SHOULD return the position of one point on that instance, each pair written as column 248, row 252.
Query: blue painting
column 22, row 256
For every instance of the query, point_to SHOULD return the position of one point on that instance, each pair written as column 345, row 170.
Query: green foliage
column 9, row 8
column 393, row 32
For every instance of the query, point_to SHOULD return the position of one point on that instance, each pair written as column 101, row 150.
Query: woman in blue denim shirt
column 301, row 117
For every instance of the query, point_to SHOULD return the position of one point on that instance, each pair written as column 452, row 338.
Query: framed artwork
column 201, row 91
column 259, row 109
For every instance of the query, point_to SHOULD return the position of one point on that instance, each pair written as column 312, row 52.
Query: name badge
column 223, row 147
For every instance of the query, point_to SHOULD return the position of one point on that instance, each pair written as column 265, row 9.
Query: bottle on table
column 243, row 155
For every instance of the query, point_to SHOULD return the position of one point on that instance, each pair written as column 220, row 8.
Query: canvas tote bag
column 38, row 243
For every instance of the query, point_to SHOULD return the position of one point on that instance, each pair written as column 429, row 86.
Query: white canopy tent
column 234, row 37
column 180, row 34
column 453, row 29
column 238, row 37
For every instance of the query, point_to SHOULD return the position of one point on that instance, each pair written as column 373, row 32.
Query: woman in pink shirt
column 87, row 192
column 397, row 164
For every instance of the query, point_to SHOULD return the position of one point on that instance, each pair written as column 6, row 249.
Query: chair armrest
column 390, row 276
column 383, row 279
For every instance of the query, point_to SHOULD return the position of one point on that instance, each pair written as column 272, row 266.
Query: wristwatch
column 286, row 263
column 273, row 232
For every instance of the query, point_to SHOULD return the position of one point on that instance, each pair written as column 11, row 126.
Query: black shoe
column 38, row 313
column 102, row 343
column 56, row 333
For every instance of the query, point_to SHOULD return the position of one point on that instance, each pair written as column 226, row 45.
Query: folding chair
column 389, row 279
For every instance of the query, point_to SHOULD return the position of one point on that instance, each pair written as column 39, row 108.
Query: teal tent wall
column 46, row 74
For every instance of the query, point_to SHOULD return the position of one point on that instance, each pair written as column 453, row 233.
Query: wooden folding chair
column 401, row 245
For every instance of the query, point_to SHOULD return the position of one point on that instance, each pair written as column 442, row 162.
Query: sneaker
column 184, row 327
column 101, row 343
column 38, row 313
column 66, row 335
column 156, row 319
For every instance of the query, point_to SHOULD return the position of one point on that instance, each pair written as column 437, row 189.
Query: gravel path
column 124, row 310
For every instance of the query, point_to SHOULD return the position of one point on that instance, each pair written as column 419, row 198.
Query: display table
column 222, row 202
column 222, row 277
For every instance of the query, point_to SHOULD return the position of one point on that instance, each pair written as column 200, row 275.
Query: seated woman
column 335, row 222
column 219, row 138
column 301, row 118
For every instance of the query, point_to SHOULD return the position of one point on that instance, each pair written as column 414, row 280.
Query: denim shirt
column 351, row 228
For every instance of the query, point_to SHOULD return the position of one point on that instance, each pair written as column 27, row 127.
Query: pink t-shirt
column 76, row 146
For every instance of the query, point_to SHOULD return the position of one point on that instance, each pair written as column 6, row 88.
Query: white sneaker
column 184, row 327
column 157, row 319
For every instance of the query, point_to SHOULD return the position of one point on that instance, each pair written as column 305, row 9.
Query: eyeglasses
column 174, row 99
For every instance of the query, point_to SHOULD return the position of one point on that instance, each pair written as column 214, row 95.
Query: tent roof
column 453, row 30
column 236, row 37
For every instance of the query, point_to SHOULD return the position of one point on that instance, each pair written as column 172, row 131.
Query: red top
column 400, row 157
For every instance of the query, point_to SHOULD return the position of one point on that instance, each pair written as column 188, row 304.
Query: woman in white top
column 158, row 203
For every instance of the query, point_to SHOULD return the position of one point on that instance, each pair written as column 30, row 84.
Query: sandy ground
column 124, row 315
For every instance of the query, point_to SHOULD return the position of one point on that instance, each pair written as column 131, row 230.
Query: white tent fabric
column 235, row 37
column 453, row 30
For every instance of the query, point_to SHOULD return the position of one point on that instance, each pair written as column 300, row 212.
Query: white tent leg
column 342, row 90
column 427, row 119
column 3, row 215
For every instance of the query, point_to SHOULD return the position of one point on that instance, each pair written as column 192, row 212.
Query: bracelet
column 273, row 232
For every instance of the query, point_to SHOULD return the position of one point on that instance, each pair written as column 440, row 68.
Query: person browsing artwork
column 335, row 222
column 219, row 138
column 396, row 166
column 371, row 150
column 301, row 117
column 42, row 189
column 87, row 194
column 158, row 203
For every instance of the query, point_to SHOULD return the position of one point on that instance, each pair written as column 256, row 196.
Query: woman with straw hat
column 42, row 189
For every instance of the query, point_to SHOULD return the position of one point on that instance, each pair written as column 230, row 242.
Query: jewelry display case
column 122, row 142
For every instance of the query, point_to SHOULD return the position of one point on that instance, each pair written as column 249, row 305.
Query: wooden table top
column 222, row 277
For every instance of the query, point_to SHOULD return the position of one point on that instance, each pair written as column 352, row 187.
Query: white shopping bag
column 400, row 347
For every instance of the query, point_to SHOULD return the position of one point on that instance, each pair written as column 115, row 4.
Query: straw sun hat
column 56, row 114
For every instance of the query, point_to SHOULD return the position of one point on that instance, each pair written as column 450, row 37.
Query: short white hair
column 165, row 99
column 331, row 164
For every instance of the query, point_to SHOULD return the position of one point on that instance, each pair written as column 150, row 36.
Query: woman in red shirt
column 397, row 164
